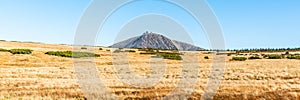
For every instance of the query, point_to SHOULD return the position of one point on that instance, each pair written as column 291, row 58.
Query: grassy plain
column 41, row 76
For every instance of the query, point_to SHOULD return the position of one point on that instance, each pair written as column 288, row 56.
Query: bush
column 20, row 51
column 84, row 48
column 206, row 57
column 254, row 57
column 171, row 56
column 3, row 50
column 273, row 56
column 14, row 41
column 239, row 59
column 117, row 51
column 148, row 53
column 71, row 54
column 129, row 51
column 287, row 53
column 293, row 57
column 142, row 49
column 147, row 49
column 165, row 55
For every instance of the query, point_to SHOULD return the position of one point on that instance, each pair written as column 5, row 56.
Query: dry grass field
column 41, row 76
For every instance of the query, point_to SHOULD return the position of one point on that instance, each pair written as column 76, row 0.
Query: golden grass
column 40, row 76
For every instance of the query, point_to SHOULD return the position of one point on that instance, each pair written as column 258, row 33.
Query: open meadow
column 41, row 76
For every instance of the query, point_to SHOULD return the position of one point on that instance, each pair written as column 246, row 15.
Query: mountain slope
column 155, row 41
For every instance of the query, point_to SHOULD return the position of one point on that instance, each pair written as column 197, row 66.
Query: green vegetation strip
column 164, row 55
column 171, row 56
column 206, row 57
column 3, row 50
column 273, row 56
column 293, row 57
column 71, row 54
column 20, row 51
column 239, row 58
column 254, row 57
column 17, row 51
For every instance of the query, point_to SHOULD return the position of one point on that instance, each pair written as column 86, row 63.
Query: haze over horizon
column 245, row 24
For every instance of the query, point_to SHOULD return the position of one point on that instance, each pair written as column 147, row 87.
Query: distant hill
column 155, row 41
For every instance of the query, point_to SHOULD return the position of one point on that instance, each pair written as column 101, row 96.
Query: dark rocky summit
column 155, row 41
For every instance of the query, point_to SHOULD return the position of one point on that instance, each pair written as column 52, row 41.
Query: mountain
column 155, row 41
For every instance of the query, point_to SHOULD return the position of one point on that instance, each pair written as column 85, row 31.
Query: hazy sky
column 245, row 23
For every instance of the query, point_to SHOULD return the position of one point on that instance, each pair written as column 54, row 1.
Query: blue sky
column 245, row 23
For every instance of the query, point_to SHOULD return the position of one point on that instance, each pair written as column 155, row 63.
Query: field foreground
column 41, row 76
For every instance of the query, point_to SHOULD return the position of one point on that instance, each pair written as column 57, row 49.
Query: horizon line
column 109, row 46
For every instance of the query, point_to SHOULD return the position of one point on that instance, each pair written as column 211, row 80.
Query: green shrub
column 206, row 57
column 287, row 53
column 129, row 51
column 148, row 53
column 142, row 49
column 20, row 51
column 3, row 50
column 84, row 48
column 273, row 56
column 71, row 54
column 254, row 57
column 171, row 56
column 239, row 58
column 293, row 57
column 14, row 41
column 165, row 55
column 117, row 51
column 147, row 49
